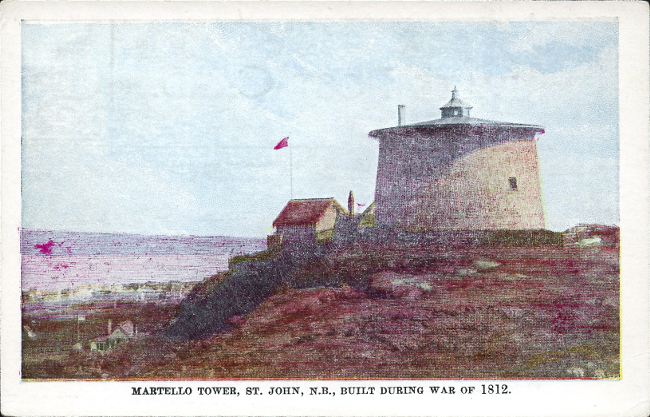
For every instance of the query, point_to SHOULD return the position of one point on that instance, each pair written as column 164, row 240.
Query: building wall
column 346, row 228
column 328, row 219
column 297, row 234
column 459, row 179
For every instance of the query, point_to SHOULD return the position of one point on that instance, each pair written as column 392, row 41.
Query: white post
column 290, row 172
column 401, row 110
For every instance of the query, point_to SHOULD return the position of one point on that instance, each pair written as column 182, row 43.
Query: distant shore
column 58, row 261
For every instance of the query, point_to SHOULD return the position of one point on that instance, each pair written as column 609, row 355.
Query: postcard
column 224, row 208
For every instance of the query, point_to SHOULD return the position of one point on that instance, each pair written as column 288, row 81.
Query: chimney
column 401, row 112
column 351, row 203
column 110, row 326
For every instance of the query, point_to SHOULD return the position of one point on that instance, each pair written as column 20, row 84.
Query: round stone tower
column 459, row 173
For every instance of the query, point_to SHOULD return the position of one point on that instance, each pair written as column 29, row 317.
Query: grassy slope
column 428, row 313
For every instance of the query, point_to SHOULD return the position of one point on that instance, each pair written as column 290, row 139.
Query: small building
column 306, row 221
column 123, row 332
column 592, row 235
column 31, row 334
column 368, row 216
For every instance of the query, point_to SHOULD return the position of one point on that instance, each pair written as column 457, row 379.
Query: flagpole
column 291, row 172
column 284, row 143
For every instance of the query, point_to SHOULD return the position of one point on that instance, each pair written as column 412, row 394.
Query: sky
column 169, row 128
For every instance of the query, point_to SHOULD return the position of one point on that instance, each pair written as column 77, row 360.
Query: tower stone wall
column 459, row 177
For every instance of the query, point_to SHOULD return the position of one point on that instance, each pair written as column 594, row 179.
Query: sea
column 55, row 260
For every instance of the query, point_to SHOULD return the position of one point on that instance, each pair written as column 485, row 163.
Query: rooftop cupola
column 455, row 107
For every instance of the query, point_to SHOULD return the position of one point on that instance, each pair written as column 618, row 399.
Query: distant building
column 592, row 235
column 368, row 216
column 459, row 173
column 306, row 221
column 29, row 332
column 122, row 332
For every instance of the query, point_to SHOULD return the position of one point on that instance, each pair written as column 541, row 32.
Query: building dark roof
column 305, row 212
column 127, row 328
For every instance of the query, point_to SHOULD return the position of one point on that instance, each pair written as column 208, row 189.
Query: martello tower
column 458, row 172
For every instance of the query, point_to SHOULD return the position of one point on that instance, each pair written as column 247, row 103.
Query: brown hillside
column 477, row 313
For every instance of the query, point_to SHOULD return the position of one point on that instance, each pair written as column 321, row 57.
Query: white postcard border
column 625, row 397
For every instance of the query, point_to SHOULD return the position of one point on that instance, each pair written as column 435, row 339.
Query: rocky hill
column 497, row 310
column 369, row 312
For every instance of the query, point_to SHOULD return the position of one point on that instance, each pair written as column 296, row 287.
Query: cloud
column 575, row 34
column 83, row 189
column 171, row 128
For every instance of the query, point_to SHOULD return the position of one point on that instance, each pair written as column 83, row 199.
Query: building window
column 513, row 183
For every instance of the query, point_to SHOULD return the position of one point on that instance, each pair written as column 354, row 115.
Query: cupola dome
column 455, row 107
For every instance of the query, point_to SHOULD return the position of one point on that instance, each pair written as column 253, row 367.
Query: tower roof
column 455, row 101
column 455, row 114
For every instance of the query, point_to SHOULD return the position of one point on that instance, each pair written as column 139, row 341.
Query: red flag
column 282, row 144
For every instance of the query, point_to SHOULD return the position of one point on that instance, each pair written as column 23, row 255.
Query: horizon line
column 21, row 229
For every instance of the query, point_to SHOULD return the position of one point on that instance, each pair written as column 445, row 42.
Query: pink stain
column 61, row 266
column 45, row 248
